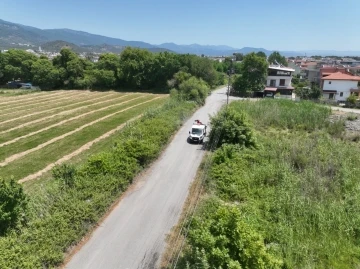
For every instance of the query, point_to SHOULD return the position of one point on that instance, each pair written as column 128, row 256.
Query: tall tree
column 253, row 75
column 136, row 67
column 277, row 57
column 238, row 56
column 261, row 54
column 45, row 74
column 16, row 64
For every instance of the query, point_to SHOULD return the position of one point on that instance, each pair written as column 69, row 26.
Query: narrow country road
column 133, row 235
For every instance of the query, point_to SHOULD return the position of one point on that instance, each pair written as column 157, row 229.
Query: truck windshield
column 196, row 131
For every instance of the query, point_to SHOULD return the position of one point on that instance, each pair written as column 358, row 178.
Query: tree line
column 134, row 68
column 139, row 69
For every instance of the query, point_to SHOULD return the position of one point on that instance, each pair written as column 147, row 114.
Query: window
column 329, row 82
column 273, row 83
column 282, row 82
column 341, row 94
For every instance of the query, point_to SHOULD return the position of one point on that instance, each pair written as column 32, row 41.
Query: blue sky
column 270, row 24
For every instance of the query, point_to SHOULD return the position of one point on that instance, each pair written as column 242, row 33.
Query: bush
column 231, row 127
column 13, row 203
column 66, row 173
column 194, row 89
column 351, row 117
column 352, row 99
column 220, row 238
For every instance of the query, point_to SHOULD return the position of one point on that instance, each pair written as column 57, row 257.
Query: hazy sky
column 270, row 24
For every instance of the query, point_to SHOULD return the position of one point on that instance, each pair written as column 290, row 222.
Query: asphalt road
column 133, row 235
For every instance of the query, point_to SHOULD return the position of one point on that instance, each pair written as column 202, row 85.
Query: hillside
column 57, row 45
column 13, row 35
column 17, row 33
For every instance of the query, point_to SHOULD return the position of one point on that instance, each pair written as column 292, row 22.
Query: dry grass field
column 42, row 129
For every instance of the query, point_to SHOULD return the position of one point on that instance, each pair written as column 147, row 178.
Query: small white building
column 339, row 86
column 279, row 81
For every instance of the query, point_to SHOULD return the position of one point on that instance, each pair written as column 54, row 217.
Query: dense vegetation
column 12, row 205
column 63, row 209
column 292, row 202
column 132, row 69
column 252, row 78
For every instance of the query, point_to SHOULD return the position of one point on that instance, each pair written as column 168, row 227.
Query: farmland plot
column 39, row 131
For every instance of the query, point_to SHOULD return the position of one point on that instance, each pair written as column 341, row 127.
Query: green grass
column 60, row 106
column 286, row 114
column 352, row 117
column 299, row 190
column 37, row 139
column 38, row 160
column 7, row 92
column 42, row 102
column 58, row 109
column 53, row 120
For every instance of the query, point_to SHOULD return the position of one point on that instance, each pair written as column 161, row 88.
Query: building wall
column 294, row 66
column 313, row 75
column 277, row 79
column 343, row 86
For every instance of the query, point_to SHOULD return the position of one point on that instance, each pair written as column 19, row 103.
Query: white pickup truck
column 198, row 132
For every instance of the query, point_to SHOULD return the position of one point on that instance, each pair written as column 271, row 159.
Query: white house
column 279, row 81
column 340, row 86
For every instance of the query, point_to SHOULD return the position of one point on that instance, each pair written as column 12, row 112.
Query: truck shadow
column 204, row 145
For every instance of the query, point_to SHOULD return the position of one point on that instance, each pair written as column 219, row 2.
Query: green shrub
column 13, row 203
column 231, row 127
column 66, row 173
column 351, row 117
column 194, row 89
column 220, row 238
column 352, row 99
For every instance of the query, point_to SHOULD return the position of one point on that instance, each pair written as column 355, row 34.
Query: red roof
column 341, row 76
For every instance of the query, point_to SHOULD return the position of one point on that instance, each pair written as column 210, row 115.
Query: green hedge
column 62, row 210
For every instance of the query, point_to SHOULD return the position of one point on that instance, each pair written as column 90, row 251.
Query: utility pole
column 230, row 71
column 228, row 90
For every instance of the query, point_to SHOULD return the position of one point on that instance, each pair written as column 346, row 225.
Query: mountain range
column 13, row 35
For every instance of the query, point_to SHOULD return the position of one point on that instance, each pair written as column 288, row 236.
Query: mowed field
column 42, row 129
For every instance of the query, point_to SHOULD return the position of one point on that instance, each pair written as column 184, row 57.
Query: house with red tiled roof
column 340, row 86
column 328, row 70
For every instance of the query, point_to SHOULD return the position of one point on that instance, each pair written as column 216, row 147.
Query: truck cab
column 198, row 132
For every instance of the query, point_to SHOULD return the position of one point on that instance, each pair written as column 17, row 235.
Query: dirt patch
column 55, row 139
column 352, row 120
column 53, row 115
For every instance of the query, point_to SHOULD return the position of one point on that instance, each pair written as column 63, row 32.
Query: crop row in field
column 57, row 125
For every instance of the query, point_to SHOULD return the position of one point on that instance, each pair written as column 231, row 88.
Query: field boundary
column 32, row 97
